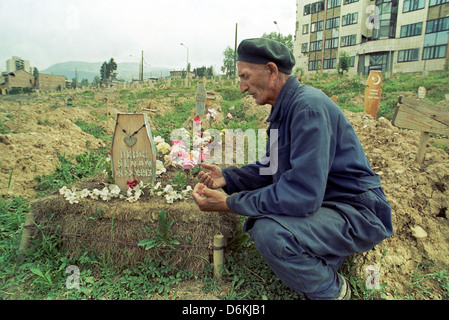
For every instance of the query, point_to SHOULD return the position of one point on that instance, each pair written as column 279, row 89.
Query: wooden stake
column 422, row 147
column 218, row 255
column 26, row 233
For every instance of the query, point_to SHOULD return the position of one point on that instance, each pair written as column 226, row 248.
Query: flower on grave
column 229, row 115
column 197, row 121
column 160, row 167
column 187, row 164
column 163, row 148
column 158, row 139
column 132, row 184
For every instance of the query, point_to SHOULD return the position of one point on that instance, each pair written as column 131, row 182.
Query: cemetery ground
column 46, row 145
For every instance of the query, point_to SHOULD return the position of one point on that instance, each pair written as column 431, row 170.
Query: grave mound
column 115, row 228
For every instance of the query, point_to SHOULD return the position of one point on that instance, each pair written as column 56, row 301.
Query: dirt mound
column 116, row 227
column 419, row 197
column 38, row 132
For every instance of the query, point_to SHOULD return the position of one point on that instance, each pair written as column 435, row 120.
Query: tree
column 84, row 83
column 228, row 62
column 344, row 61
column 97, row 81
column 35, row 72
column 107, row 71
column 285, row 40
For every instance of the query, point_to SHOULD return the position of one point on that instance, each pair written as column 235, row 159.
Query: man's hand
column 213, row 179
column 209, row 200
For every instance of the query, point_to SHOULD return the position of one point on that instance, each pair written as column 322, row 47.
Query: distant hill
column 88, row 70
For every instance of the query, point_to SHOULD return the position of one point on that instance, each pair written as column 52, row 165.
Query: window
column 434, row 52
column 436, row 39
column 305, row 29
column 331, row 43
column 410, row 30
column 408, row 55
column 412, row 5
column 437, row 25
column 351, row 61
column 333, row 23
column 314, row 65
column 317, row 6
column 304, row 47
column 350, row 18
column 329, row 63
column 436, row 2
column 333, row 3
column 307, row 9
column 316, row 45
column 348, row 40
column 316, row 26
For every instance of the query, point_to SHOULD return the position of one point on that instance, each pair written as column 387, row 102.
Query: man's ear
column 272, row 70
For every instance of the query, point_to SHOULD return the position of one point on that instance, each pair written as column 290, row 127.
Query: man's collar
column 284, row 94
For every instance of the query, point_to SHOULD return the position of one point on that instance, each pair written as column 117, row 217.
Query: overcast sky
column 46, row 32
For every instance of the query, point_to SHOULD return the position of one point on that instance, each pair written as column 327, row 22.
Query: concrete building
column 387, row 35
column 49, row 82
column 16, row 79
column 17, row 63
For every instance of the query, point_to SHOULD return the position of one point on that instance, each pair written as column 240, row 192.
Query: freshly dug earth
column 418, row 194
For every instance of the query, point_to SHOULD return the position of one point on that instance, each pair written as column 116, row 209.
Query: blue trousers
column 306, row 252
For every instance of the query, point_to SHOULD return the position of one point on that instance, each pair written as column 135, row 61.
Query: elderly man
column 322, row 202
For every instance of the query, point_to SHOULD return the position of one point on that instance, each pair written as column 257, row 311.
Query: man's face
column 254, row 79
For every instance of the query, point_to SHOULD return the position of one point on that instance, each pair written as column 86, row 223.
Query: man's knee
column 269, row 236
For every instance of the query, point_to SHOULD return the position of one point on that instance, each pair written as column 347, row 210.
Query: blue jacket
column 319, row 159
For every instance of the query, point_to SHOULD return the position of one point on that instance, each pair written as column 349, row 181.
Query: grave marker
column 373, row 93
column 418, row 115
column 421, row 92
column 200, row 99
column 133, row 150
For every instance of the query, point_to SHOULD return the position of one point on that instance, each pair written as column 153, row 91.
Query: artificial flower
column 132, row 184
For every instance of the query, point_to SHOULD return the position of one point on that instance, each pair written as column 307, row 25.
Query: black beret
column 262, row 51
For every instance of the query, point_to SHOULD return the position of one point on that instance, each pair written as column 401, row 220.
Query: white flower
column 160, row 167
column 115, row 189
column 158, row 184
column 187, row 190
column 63, row 190
column 158, row 139
column 168, row 188
column 84, row 193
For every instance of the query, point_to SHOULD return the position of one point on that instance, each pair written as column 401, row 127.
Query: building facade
column 49, row 82
column 387, row 35
column 17, row 63
column 16, row 79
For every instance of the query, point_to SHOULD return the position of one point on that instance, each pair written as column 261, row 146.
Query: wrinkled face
column 255, row 79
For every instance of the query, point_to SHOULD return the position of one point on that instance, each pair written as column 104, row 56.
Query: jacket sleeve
column 304, row 163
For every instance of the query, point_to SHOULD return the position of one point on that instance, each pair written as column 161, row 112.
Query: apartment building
column 17, row 63
column 387, row 35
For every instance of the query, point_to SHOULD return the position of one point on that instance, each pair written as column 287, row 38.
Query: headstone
column 133, row 150
column 69, row 102
column 200, row 99
column 421, row 92
column 373, row 93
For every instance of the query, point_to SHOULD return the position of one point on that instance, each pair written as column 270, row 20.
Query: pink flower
column 132, row 184
column 187, row 164
column 229, row 115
